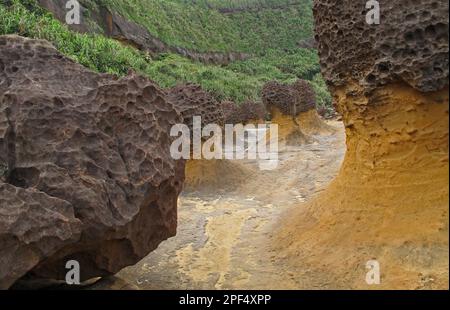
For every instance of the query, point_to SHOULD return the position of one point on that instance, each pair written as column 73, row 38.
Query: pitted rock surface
column 252, row 110
column 87, row 173
column 289, row 99
column 410, row 44
column 231, row 112
column 191, row 100
column 243, row 113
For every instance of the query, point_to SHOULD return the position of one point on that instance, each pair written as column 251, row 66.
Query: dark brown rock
column 409, row 45
column 289, row 99
column 191, row 100
column 252, row 110
column 243, row 113
column 231, row 112
column 87, row 172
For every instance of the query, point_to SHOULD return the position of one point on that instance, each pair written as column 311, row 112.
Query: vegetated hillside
column 194, row 25
column 269, row 35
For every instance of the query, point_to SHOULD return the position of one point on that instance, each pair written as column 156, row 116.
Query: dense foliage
column 238, row 81
column 192, row 25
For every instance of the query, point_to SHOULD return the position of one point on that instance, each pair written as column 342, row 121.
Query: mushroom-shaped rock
column 280, row 97
column 389, row 202
column 86, row 168
column 248, row 112
column 231, row 112
column 293, row 108
column 252, row 112
column 191, row 100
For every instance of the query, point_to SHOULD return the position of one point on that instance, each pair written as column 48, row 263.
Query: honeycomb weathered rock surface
column 246, row 112
column 410, row 43
column 289, row 99
column 252, row 110
column 87, row 170
column 191, row 100
column 389, row 201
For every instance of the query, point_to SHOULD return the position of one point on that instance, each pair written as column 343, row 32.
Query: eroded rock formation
column 191, row 100
column 293, row 108
column 253, row 112
column 410, row 45
column 231, row 112
column 249, row 112
column 390, row 199
column 86, row 170
column 289, row 99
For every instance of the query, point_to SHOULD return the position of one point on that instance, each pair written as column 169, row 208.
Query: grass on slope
column 194, row 26
column 238, row 82
column 239, row 4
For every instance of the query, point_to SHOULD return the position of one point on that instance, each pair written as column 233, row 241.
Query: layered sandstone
column 390, row 199
column 86, row 172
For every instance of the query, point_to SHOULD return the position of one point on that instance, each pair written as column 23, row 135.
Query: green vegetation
column 238, row 81
column 194, row 26
column 240, row 4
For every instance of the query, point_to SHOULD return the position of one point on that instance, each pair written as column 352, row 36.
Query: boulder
column 244, row 113
column 289, row 99
column 389, row 202
column 191, row 100
column 86, row 169
column 293, row 108
column 410, row 44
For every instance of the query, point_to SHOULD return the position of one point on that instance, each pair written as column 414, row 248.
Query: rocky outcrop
column 389, row 202
column 86, row 168
column 253, row 112
column 115, row 26
column 231, row 112
column 416, row 53
column 191, row 100
column 289, row 99
column 204, row 174
column 248, row 112
column 293, row 108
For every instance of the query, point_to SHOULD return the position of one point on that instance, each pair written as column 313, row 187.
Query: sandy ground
column 223, row 238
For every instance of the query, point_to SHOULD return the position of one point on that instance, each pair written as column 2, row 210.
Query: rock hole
column 24, row 177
